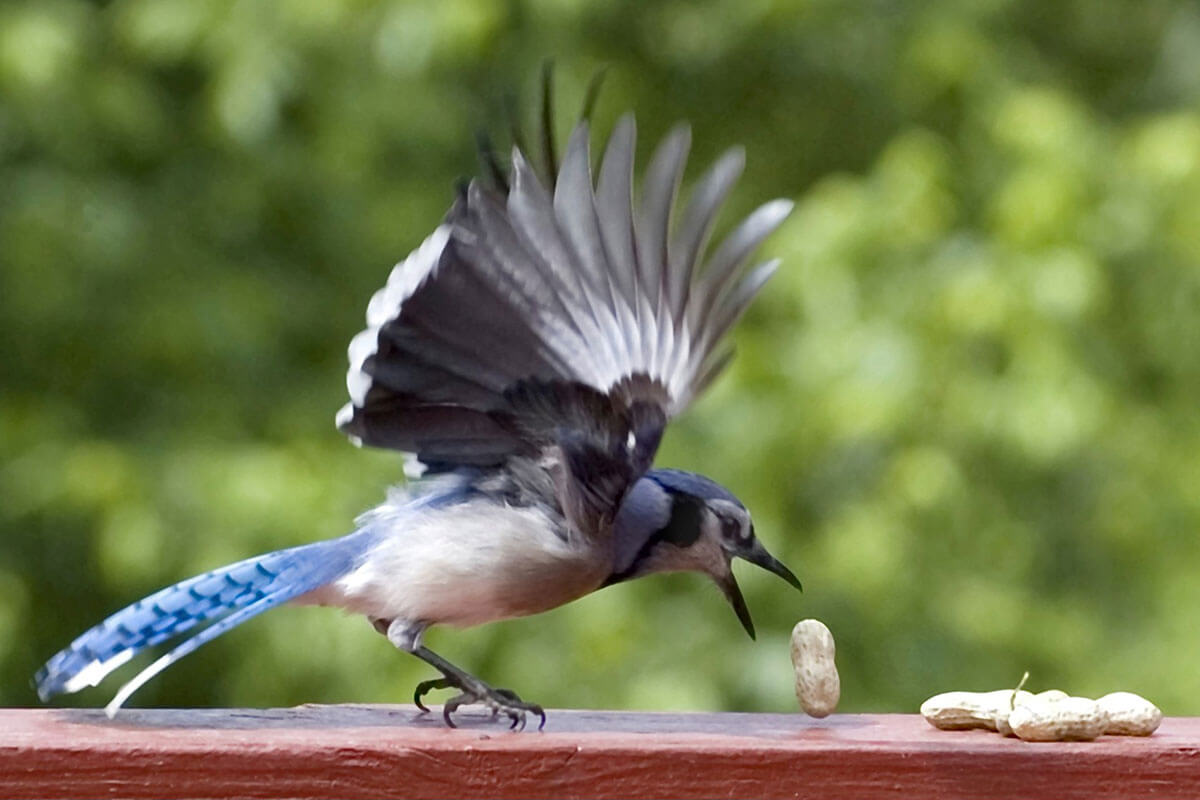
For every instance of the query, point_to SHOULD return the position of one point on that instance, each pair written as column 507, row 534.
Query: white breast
column 469, row 563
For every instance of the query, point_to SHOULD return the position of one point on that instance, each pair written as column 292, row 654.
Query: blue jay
column 527, row 357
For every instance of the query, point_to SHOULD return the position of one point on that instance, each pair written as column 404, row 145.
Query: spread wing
column 561, row 323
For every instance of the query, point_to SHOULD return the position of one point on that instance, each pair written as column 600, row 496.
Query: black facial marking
column 682, row 530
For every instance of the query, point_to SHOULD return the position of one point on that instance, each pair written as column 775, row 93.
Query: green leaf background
column 964, row 411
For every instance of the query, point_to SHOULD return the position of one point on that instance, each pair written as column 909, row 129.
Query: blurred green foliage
column 964, row 411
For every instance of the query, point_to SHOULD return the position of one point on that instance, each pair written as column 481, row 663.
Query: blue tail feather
column 226, row 597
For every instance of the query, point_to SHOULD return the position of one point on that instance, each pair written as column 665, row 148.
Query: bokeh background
column 965, row 411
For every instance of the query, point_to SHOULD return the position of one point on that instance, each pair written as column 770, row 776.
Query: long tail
column 226, row 597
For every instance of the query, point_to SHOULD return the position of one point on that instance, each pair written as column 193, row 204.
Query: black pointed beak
column 757, row 554
column 734, row 595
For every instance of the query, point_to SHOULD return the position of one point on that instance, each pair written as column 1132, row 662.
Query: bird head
column 680, row 521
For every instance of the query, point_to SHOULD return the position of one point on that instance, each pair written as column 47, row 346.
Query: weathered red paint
column 393, row 751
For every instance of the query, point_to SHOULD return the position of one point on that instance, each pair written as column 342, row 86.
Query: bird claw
column 498, row 701
column 424, row 687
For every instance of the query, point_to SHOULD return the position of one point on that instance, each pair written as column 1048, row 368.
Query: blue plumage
column 528, row 356
column 229, row 595
column 677, row 480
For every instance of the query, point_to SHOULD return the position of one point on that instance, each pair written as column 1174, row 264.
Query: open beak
column 757, row 555
column 734, row 595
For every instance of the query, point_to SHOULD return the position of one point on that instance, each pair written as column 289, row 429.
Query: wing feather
column 575, row 212
column 531, row 210
column 614, row 208
column 663, row 175
column 559, row 321
column 689, row 242
column 733, row 305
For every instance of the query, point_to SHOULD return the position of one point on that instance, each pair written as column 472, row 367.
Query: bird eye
column 731, row 528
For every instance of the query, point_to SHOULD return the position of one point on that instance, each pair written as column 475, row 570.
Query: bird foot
column 473, row 691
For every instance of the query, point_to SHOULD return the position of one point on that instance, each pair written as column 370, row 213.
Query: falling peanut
column 818, row 687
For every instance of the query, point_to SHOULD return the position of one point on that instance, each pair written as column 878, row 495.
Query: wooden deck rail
column 393, row 751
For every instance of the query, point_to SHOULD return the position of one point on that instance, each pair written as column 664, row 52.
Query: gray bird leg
column 473, row 690
column 407, row 636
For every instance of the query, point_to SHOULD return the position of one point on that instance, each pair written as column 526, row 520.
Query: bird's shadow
column 349, row 716
column 303, row 717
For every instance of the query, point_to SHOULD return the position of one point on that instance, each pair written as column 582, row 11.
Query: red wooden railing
column 393, row 751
